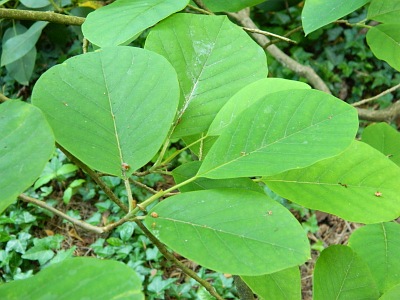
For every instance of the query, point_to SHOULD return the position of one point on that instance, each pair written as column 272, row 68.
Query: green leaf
column 341, row 274
column 318, row 13
column 229, row 5
column 126, row 230
column 230, row 231
column 26, row 144
column 65, row 169
column 379, row 246
column 21, row 70
column 18, row 46
column 247, row 96
column 359, row 185
column 213, row 58
column 386, row 11
column 110, row 107
column 282, row 285
column 392, row 294
column 384, row 138
column 282, row 131
column 35, row 3
column 39, row 253
column 384, row 41
column 189, row 170
column 77, row 278
column 120, row 22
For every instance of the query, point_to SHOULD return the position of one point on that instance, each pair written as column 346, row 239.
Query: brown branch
column 267, row 33
column 31, row 15
column 74, row 221
column 392, row 89
column 244, row 20
column 151, row 190
column 96, row 178
column 168, row 255
column 387, row 114
column 79, row 223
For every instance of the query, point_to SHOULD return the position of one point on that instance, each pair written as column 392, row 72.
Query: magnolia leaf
column 386, row 11
column 384, row 41
column 229, row 5
column 111, row 108
column 379, row 246
column 282, row 285
column 247, row 96
column 77, row 278
column 359, row 185
column 189, row 170
column 281, row 131
column 384, row 138
column 214, row 59
column 18, row 46
column 26, row 144
column 317, row 13
column 230, row 231
column 341, row 274
column 121, row 21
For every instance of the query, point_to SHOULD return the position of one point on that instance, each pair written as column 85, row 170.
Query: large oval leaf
column 119, row 22
column 26, row 144
column 384, row 138
column 213, row 58
column 379, row 246
column 341, row 274
column 386, row 11
column 249, row 95
column 285, row 130
column 110, row 107
column 232, row 231
column 359, row 185
column 282, row 285
column 77, row 278
column 317, row 13
column 384, row 41
column 189, row 170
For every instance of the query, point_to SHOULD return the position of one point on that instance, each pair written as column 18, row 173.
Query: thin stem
column 267, row 33
column 176, row 153
column 56, row 7
column 148, row 201
column 3, row 98
column 142, row 185
column 162, row 152
column 358, row 24
column 17, row 14
column 85, row 45
column 201, row 147
column 96, row 178
column 168, row 255
column 131, row 201
column 200, row 4
column 361, row 102
column 76, row 222
column 203, row 11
